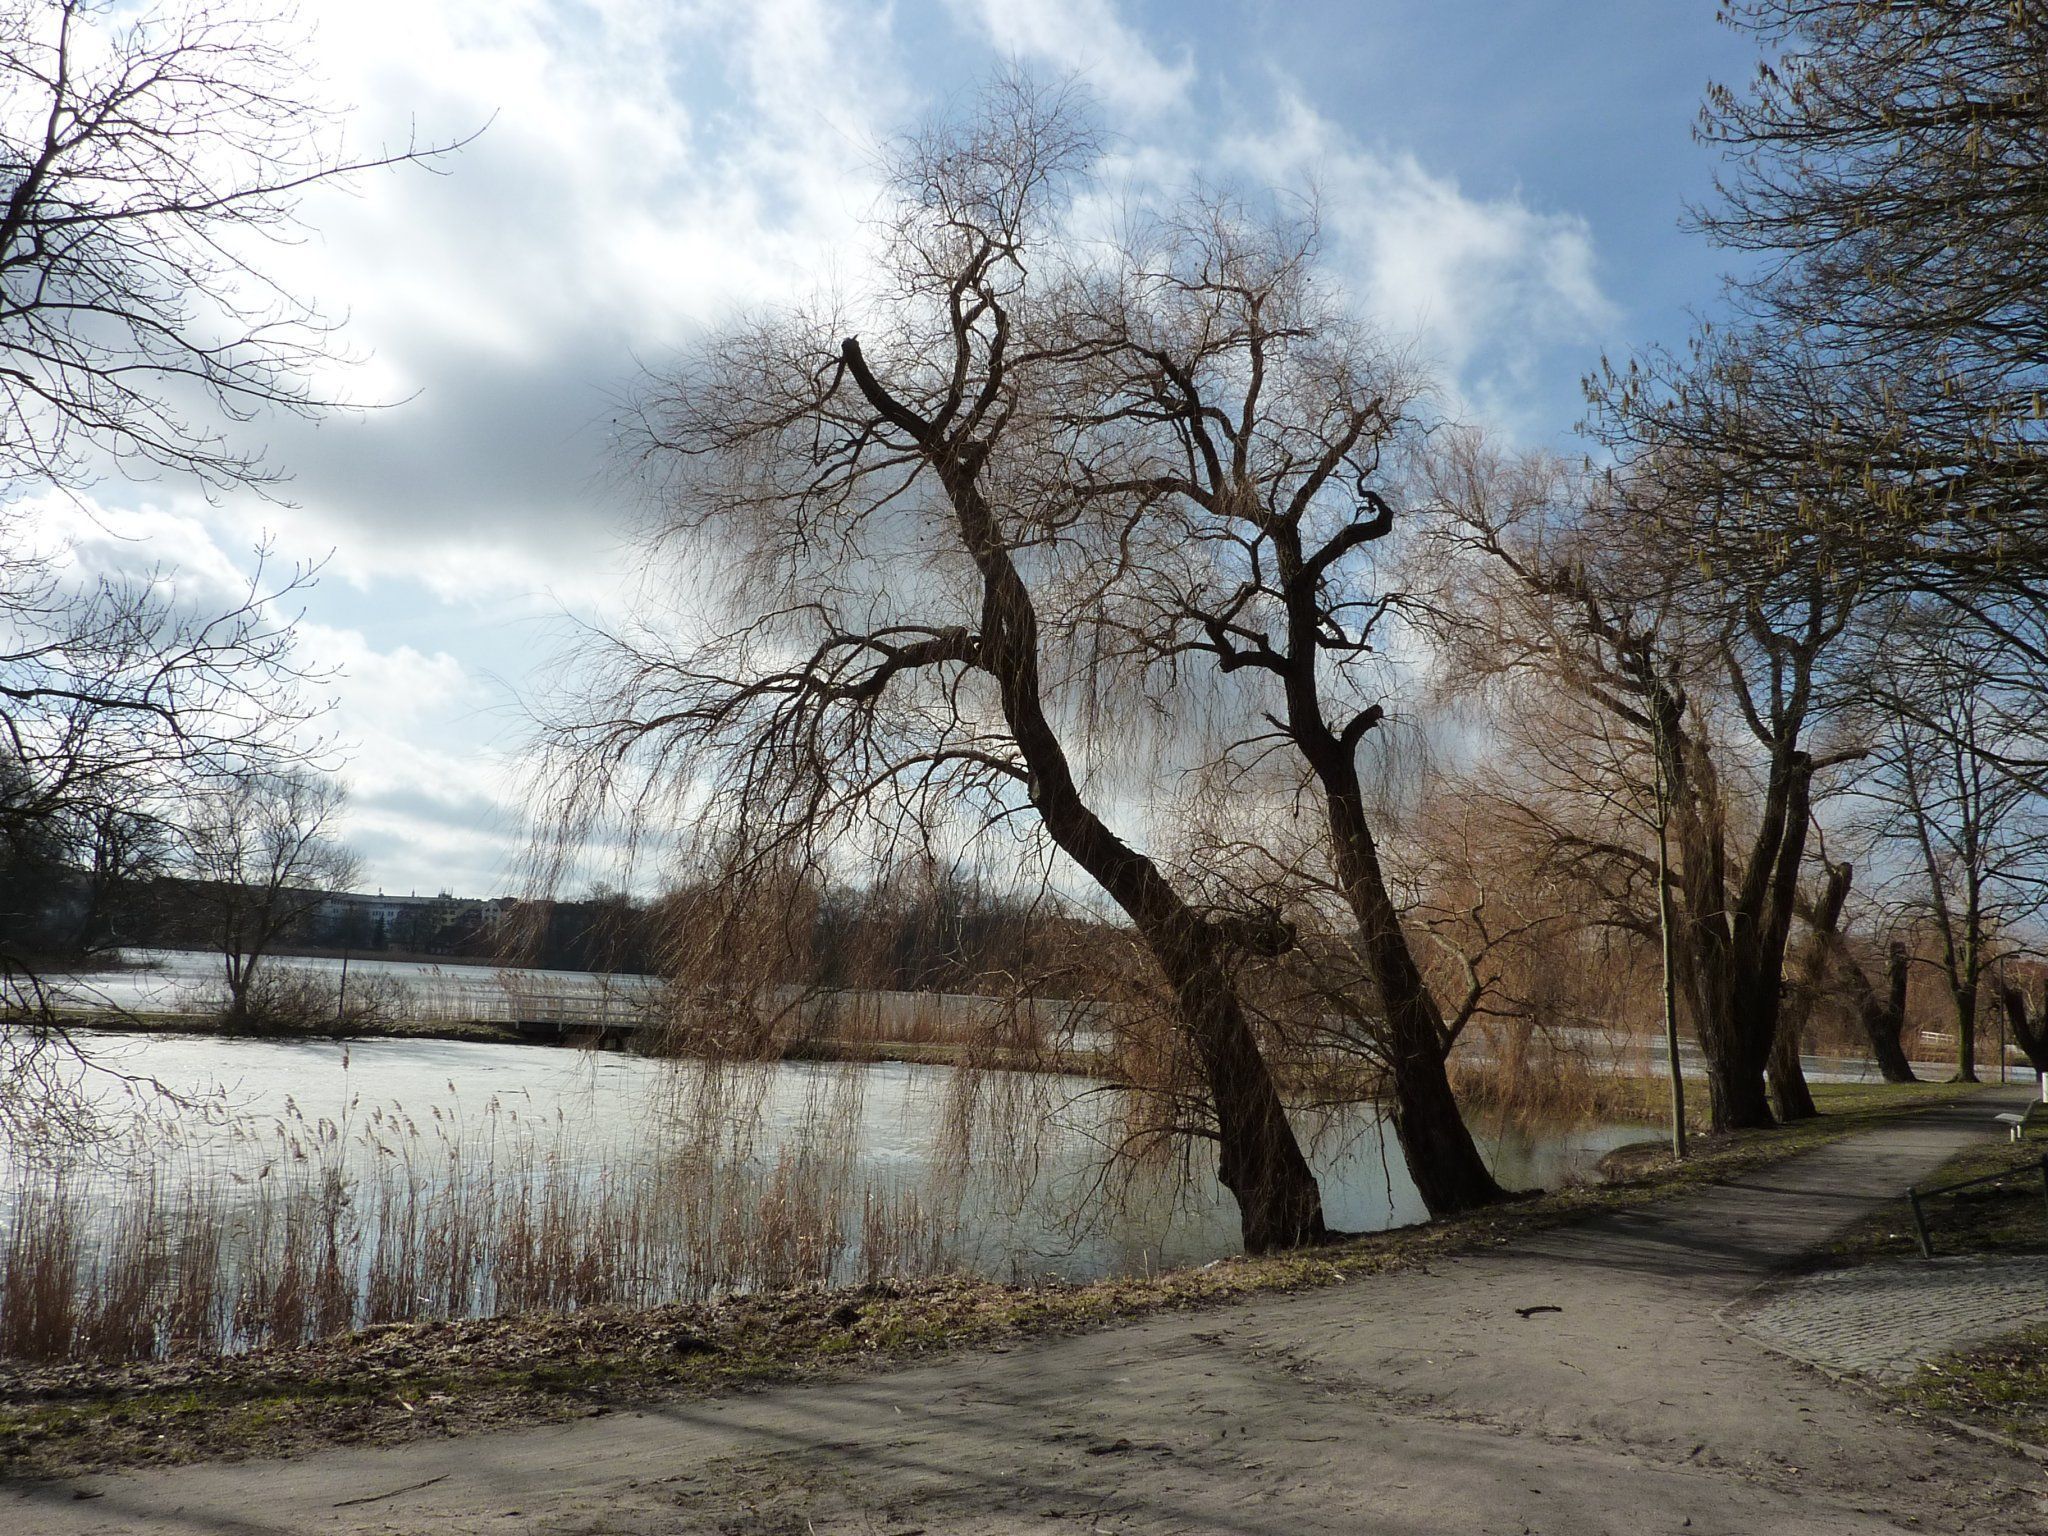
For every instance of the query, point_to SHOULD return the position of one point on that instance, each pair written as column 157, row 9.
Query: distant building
column 435, row 925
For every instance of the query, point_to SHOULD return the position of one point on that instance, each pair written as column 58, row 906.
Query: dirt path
column 1406, row 1403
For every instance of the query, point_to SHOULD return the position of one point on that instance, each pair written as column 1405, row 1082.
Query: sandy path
column 1407, row 1403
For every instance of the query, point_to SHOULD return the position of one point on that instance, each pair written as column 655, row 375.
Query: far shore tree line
column 1093, row 606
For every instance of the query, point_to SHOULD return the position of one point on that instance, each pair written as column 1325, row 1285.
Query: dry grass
column 1523, row 1077
column 385, row 1221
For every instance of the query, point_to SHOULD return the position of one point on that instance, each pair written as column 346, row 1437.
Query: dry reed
column 346, row 1227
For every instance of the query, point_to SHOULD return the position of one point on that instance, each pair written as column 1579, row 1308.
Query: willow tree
column 1245, row 420
column 893, row 587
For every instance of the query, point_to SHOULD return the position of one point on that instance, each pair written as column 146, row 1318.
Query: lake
column 1003, row 1173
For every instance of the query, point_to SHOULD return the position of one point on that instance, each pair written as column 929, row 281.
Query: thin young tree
column 262, row 852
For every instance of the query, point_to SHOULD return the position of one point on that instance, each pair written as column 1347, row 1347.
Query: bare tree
column 119, row 703
column 1972, row 834
column 1888, row 162
column 1829, row 959
column 1692, row 621
column 1249, row 420
column 1894, row 152
column 148, row 156
column 2029, row 1024
column 906, row 573
column 263, row 852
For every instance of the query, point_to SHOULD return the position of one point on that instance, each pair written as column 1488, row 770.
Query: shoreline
column 404, row 1381
column 934, row 1053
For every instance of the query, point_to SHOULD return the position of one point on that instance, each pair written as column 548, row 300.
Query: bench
column 2017, row 1122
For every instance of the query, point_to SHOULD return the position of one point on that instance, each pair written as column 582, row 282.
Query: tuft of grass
column 406, row 1379
column 2001, row 1386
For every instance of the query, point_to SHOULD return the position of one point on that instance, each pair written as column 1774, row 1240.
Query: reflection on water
column 1012, row 1167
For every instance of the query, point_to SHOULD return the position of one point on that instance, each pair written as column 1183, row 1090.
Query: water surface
column 1014, row 1166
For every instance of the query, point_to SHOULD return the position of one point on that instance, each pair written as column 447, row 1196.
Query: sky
column 1501, row 184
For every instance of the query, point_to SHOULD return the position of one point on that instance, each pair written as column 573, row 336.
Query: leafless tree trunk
column 1577, row 590
column 1265, row 420
column 1828, row 956
column 263, row 854
column 917, row 558
column 2029, row 1025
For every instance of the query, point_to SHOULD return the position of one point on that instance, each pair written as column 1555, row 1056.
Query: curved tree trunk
column 1790, row 1095
column 1259, row 1158
column 1884, row 1019
column 1436, row 1144
column 2029, row 1029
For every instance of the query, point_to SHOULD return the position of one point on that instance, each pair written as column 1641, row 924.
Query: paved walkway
column 1885, row 1321
column 1576, row 1383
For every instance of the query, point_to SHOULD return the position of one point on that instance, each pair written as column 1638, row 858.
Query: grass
column 403, row 1380
column 378, row 1217
column 2001, row 1386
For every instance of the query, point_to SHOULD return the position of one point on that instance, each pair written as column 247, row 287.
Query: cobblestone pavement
column 1885, row 1320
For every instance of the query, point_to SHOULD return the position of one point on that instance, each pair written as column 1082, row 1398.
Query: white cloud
column 432, row 782
column 172, row 546
column 650, row 168
column 1089, row 39
column 1485, row 283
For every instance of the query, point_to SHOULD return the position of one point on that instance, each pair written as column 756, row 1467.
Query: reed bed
column 932, row 1018
column 346, row 1226
column 1509, row 1074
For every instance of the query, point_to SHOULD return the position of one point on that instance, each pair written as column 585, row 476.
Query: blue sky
column 1502, row 181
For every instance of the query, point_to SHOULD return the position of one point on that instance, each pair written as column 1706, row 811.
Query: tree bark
column 1790, row 1095
column 1882, row 1019
column 1885, row 1022
column 1443, row 1160
column 1437, row 1145
column 1259, row 1158
column 2029, row 1029
column 1965, row 999
column 1736, row 1097
column 1730, row 952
